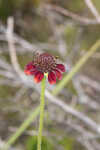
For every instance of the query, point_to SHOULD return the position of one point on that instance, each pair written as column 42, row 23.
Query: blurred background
column 64, row 28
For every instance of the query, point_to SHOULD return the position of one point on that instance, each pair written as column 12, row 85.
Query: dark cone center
column 45, row 62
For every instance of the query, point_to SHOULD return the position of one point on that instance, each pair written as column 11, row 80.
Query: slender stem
column 42, row 104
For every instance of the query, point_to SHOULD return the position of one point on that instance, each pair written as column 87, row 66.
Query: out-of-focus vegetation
column 45, row 28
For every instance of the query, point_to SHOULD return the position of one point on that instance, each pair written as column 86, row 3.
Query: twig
column 93, row 9
column 57, row 34
column 90, row 82
column 84, row 98
column 74, row 112
column 11, row 46
column 74, row 16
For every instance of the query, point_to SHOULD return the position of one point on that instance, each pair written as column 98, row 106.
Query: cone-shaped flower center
column 45, row 62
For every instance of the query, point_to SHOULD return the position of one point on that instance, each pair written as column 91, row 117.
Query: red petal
column 30, row 72
column 58, row 74
column 30, row 66
column 38, row 76
column 33, row 71
column 27, row 72
column 52, row 78
column 61, row 67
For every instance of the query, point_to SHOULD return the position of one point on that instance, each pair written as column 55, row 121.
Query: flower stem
column 42, row 104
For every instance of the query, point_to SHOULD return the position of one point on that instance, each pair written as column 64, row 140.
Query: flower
column 44, row 63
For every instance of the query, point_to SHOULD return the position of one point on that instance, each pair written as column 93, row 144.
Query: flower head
column 44, row 63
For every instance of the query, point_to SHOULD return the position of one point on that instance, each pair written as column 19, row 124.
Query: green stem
column 42, row 105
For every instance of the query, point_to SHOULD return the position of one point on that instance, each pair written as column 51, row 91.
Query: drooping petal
column 30, row 66
column 27, row 72
column 33, row 71
column 29, row 69
column 58, row 74
column 52, row 78
column 61, row 67
column 38, row 76
column 30, row 72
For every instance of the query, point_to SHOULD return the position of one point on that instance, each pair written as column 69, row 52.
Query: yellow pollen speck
column 46, row 74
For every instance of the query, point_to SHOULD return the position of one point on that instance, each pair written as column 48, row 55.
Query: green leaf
column 32, row 144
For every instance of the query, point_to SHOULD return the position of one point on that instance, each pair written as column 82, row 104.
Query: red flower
column 44, row 63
